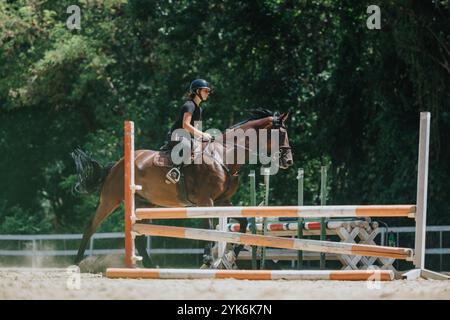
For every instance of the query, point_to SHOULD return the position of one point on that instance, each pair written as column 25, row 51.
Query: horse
column 210, row 183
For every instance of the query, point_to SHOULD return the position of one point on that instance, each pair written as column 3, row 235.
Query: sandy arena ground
column 26, row 283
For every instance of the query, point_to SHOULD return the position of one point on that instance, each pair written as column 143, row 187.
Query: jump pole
column 421, row 205
column 422, row 189
column 266, row 174
column 323, row 201
column 300, row 221
column 131, row 215
column 252, row 177
column 129, row 191
column 274, row 242
column 348, row 275
column 278, row 211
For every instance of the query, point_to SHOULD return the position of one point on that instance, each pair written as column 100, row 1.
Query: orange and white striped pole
column 129, row 191
column 342, row 275
column 278, row 211
column 275, row 242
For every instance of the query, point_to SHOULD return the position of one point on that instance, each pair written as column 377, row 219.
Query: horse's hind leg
column 110, row 198
column 105, row 207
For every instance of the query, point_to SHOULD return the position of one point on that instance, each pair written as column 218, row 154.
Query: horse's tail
column 91, row 174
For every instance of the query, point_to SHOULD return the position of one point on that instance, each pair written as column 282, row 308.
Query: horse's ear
column 284, row 116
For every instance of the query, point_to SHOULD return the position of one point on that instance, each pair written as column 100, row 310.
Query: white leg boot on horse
column 228, row 259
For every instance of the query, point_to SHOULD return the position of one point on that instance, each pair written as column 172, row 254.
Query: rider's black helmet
column 198, row 84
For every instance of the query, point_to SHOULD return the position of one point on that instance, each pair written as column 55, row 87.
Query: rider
column 190, row 112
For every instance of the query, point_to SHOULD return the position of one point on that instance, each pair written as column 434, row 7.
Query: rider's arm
column 187, row 116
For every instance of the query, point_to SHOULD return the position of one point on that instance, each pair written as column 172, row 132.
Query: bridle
column 277, row 124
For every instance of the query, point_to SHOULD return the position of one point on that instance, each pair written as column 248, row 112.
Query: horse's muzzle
column 286, row 159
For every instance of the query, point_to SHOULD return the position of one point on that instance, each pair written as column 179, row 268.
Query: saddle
column 174, row 175
column 162, row 159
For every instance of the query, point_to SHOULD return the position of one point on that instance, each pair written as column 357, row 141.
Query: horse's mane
column 255, row 114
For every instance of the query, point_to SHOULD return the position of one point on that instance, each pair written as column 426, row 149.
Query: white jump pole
column 421, row 205
column 422, row 190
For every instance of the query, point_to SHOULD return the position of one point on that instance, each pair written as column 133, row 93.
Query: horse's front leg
column 207, row 224
column 140, row 242
column 236, row 248
column 243, row 223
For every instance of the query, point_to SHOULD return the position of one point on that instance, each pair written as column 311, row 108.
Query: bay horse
column 211, row 183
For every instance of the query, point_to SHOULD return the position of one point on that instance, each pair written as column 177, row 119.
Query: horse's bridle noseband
column 278, row 124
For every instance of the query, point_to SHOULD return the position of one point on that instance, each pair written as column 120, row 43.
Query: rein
column 276, row 124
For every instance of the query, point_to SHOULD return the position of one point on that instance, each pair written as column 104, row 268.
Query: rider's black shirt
column 190, row 107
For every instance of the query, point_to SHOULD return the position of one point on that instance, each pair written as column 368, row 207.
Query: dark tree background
column 354, row 94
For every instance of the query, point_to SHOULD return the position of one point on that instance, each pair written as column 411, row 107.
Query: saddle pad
column 162, row 159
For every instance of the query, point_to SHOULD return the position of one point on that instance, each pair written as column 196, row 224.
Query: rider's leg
column 174, row 173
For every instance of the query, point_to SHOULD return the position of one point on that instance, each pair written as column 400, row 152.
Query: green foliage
column 20, row 221
column 354, row 94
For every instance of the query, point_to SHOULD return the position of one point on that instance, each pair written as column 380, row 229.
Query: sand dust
column 26, row 283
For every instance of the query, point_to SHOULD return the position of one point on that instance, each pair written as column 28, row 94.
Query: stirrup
column 173, row 176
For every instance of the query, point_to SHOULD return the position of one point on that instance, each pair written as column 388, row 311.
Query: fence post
column 34, row 260
column 221, row 245
column 253, row 219
column 422, row 189
column 300, row 178
column 323, row 201
column 129, row 191
column 91, row 245
column 440, row 255
column 266, row 173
